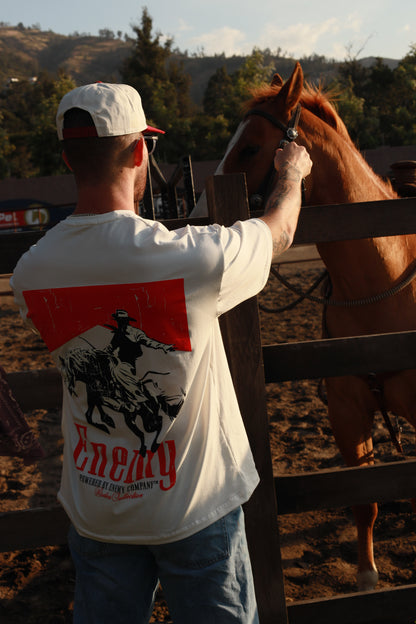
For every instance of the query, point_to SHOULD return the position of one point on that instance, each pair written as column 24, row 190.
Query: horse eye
column 249, row 151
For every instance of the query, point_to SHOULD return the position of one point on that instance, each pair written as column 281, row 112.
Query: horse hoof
column 109, row 421
column 367, row 580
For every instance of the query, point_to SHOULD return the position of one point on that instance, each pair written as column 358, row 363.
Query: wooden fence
column 314, row 359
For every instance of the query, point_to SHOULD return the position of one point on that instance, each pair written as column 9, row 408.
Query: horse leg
column 365, row 517
column 130, row 422
column 151, row 418
column 105, row 417
column 351, row 420
column 92, row 403
column 155, row 443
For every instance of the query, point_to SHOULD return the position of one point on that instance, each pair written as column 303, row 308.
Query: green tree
column 223, row 99
column 43, row 140
column 28, row 111
column 218, row 93
column 253, row 73
column 16, row 104
column 226, row 93
column 362, row 100
column 162, row 83
column 402, row 98
column 208, row 136
column 378, row 104
column 361, row 119
column 6, row 150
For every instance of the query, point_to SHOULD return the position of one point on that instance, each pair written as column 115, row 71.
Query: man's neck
column 100, row 199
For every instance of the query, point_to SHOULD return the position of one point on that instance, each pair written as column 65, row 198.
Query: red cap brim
column 151, row 130
column 90, row 131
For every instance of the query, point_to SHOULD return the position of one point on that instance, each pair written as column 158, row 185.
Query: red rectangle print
column 157, row 308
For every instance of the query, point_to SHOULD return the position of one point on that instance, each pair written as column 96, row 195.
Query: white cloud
column 353, row 33
column 298, row 39
column 228, row 40
column 353, row 22
column 330, row 37
column 183, row 26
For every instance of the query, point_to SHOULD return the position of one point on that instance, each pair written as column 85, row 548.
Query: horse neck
column 340, row 174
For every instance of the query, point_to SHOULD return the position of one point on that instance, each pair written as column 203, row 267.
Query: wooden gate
column 320, row 358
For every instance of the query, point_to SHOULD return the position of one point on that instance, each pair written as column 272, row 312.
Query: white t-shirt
column 155, row 448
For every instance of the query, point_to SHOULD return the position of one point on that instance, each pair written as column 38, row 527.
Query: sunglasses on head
column 150, row 141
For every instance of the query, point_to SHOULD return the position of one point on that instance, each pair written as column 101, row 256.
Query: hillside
column 26, row 51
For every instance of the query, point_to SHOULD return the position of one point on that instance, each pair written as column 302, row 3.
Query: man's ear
column 65, row 159
column 139, row 152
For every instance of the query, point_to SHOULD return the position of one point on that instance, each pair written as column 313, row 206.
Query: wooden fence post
column 227, row 203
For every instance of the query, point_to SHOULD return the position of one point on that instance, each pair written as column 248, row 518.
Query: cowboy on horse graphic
column 128, row 340
column 110, row 378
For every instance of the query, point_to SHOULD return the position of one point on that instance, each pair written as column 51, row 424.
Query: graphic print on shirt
column 112, row 354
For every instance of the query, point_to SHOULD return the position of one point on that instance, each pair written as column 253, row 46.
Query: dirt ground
column 318, row 548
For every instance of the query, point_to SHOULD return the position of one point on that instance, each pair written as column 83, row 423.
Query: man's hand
column 293, row 156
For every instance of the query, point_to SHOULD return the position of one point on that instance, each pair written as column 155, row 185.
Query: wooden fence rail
column 294, row 493
column 317, row 224
column 311, row 359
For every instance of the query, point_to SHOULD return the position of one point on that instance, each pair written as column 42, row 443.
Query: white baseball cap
column 116, row 109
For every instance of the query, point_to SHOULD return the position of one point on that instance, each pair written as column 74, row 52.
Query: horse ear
column 277, row 81
column 292, row 89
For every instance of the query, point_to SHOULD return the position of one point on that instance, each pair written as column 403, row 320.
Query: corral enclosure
column 317, row 547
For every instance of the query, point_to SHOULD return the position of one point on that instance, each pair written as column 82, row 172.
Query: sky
column 334, row 29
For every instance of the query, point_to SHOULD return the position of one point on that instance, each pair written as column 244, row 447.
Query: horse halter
column 289, row 131
column 290, row 134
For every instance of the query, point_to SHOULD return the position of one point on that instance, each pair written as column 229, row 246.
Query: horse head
column 267, row 117
column 251, row 149
column 339, row 175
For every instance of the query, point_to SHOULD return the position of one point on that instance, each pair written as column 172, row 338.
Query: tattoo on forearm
column 281, row 244
column 288, row 175
column 291, row 171
column 289, row 180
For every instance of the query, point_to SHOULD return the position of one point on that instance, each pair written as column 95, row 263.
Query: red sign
column 10, row 220
column 34, row 217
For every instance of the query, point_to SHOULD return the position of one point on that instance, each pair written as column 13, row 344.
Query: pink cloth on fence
column 16, row 437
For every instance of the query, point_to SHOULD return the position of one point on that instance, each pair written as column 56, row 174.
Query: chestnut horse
column 357, row 269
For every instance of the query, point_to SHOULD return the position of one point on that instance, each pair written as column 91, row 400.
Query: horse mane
column 314, row 98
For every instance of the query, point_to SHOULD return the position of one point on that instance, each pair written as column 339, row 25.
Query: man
column 128, row 340
column 171, row 509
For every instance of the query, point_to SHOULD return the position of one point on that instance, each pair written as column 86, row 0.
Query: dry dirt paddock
column 318, row 548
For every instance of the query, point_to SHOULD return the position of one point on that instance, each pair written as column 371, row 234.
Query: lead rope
column 301, row 295
column 347, row 303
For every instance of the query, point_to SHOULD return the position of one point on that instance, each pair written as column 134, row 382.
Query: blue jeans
column 206, row 578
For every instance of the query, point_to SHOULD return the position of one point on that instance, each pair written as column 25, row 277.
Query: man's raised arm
column 281, row 214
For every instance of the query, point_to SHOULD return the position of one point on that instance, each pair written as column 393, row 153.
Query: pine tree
column 162, row 83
